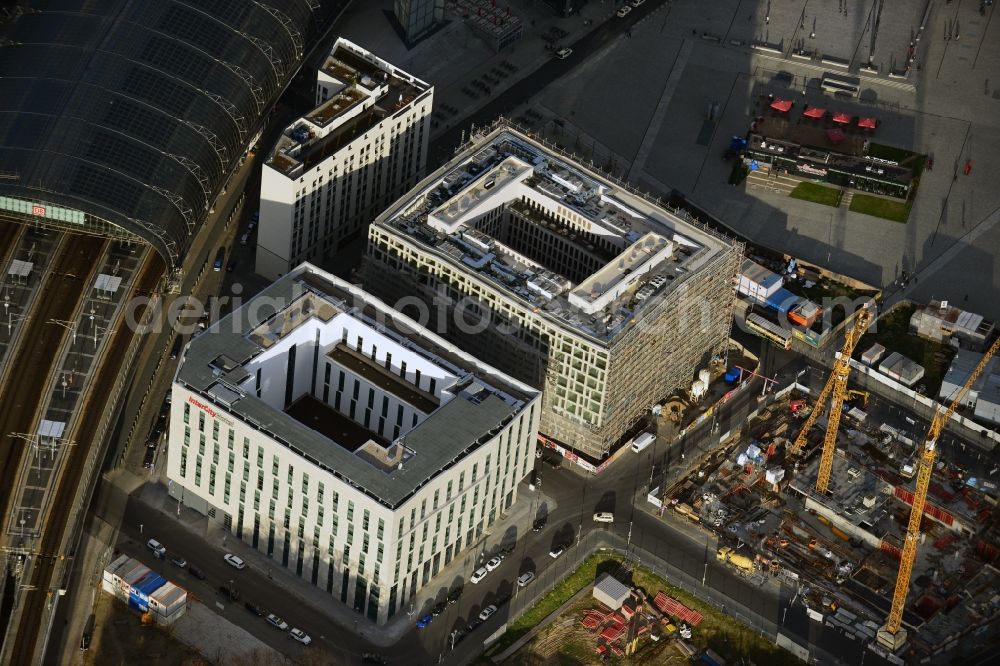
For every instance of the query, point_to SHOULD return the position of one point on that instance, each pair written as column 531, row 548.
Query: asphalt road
column 532, row 84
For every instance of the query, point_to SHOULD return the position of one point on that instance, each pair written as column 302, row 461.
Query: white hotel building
column 345, row 441
column 333, row 170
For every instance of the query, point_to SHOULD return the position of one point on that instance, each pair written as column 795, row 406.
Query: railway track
column 35, row 358
column 39, row 595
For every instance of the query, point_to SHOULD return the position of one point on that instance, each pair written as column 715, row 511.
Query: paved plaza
column 662, row 82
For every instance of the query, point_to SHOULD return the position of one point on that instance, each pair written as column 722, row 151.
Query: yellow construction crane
column 837, row 385
column 892, row 635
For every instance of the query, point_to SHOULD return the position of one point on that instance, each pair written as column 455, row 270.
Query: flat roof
column 368, row 82
column 483, row 397
column 606, row 221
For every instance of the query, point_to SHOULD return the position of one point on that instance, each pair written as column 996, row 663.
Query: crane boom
column 800, row 441
column 891, row 634
column 841, row 373
column 861, row 323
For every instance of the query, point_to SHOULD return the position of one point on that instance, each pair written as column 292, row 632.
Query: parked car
column 563, row 53
column 439, row 608
column 636, row 3
column 254, row 608
column 424, row 621
column 372, row 658
column 604, row 517
column 175, row 350
column 623, row 12
column 539, row 524
column 493, row 564
column 234, row 561
column 179, row 561
column 557, row 551
column 85, row 642
column 196, row 572
column 277, row 622
column 220, row 258
column 158, row 548
column 300, row 636
column 479, row 574
column 244, row 238
column 487, row 612
column 230, row 592
column 525, row 578
column 454, row 594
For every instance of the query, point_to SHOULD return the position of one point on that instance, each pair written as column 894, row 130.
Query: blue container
column 782, row 301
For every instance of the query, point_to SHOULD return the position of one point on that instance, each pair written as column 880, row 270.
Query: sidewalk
column 154, row 494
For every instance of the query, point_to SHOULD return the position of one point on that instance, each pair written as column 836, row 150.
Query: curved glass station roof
column 123, row 115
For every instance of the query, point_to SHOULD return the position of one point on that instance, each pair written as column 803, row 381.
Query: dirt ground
column 566, row 643
column 120, row 638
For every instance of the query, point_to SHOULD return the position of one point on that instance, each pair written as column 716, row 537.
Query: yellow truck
column 726, row 554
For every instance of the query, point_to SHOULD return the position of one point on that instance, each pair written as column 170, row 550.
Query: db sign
column 38, row 210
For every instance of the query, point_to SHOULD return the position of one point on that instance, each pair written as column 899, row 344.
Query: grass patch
column 718, row 631
column 585, row 574
column 827, row 196
column 894, row 333
column 897, row 211
column 731, row 639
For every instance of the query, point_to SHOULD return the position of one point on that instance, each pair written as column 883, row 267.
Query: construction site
column 890, row 537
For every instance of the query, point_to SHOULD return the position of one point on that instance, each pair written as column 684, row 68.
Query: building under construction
column 561, row 277
column 845, row 544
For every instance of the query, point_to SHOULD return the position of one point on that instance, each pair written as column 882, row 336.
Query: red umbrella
column 814, row 112
column 783, row 105
column 835, row 135
column 870, row 123
column 841, row 118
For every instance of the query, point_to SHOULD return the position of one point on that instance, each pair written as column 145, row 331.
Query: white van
column 642, row 441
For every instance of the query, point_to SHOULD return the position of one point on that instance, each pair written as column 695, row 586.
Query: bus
column 769, row 331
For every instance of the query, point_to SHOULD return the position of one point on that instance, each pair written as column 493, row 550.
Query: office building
column 333, row 170
column 344, row 441
column 566, row 280
column 417, row 18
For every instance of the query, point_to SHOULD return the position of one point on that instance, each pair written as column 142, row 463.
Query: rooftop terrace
column 364, row 91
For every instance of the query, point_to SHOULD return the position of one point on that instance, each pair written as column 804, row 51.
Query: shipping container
column 168, row 599
column 782, row 300
column 757, row 282
column 804, row 314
